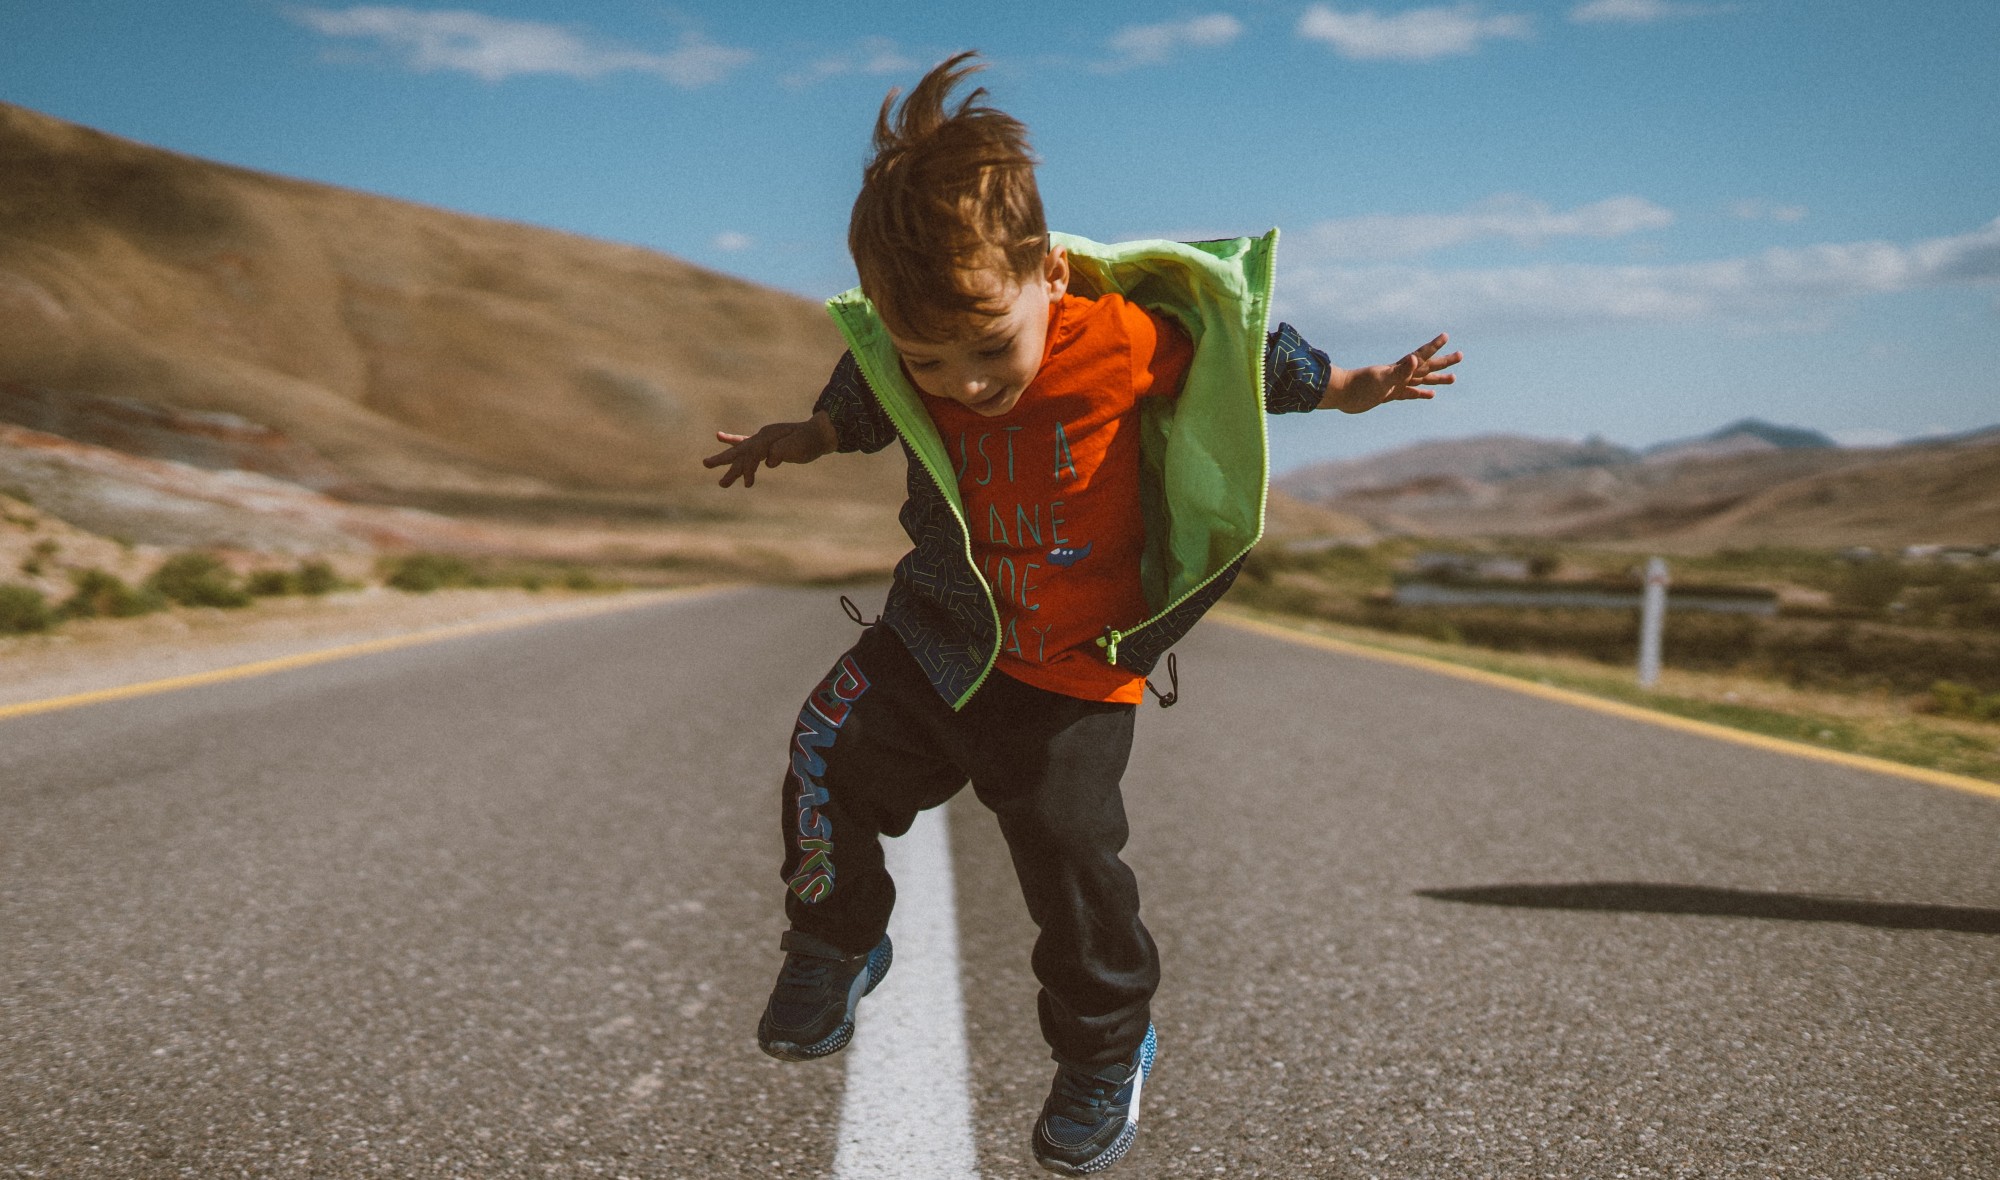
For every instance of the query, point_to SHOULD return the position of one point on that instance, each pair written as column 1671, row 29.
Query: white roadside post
column 1652, row 620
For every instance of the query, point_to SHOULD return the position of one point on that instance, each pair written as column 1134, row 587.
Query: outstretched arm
column 1354, row 391
column 780, row 442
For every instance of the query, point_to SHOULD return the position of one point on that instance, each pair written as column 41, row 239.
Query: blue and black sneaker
column 1090, row 1119
column 811, row 1011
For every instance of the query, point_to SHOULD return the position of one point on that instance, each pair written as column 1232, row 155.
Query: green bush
column 44, row 550
column 1870, row 586
column 103, row 595
column 317, row 578
column 1953, row 596
column 272, row 583
column 198, row 579
column 1953, row 699
column 421, row 573
column 23, row 609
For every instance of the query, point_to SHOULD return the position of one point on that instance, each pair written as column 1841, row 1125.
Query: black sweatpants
column 875, row 744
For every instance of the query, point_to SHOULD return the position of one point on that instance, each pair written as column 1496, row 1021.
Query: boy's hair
column 943, row 194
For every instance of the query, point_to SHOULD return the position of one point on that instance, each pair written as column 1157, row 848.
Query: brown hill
column 1945, row 492
column 176, row 308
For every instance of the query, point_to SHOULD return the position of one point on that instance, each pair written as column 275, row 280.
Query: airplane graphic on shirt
column 1068, row 555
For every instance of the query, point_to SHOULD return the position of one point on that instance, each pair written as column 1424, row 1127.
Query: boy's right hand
column 780, row 442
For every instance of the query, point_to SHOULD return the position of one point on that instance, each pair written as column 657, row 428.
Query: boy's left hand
column 1353, row 391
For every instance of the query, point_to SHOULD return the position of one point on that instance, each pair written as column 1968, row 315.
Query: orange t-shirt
column 1051, row 493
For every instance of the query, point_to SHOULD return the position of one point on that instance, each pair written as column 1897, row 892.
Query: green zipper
column 896, row 410
column 1112, row 636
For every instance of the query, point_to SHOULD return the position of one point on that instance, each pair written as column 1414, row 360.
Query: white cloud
column 730, row 241
column 873, row 55
column 1634, row 12
column 1137, row 45
column 1421, row 34
column 1516, row 218
column 1795, row 285
column 494, row 48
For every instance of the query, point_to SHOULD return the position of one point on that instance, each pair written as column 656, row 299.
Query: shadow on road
column 1641, row 898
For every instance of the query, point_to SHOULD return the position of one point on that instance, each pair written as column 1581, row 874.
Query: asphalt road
column 507, row 906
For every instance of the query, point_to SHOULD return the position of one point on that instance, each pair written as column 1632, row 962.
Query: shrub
column 1870, row 586
column 421, row 573
column 198, row 579
column 317, row 577
column 17, row 492
column 100, row 594
column 23, row 609
column 1953, row 699
column 272, row 583
column 1955, row 597
column 44, row 550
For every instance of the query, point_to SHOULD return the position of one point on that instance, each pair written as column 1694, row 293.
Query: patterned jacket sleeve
column 859, row 421
column 1295, row 373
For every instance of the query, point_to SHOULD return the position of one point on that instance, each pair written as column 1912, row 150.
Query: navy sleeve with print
column 859, row 421
column 1295, row 373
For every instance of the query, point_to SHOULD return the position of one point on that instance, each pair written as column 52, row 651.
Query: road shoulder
column 99, row 655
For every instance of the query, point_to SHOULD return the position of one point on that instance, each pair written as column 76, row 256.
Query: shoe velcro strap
column 800, row 943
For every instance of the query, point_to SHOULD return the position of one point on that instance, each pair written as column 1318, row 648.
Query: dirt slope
column 424, row 356
column 1941, row 494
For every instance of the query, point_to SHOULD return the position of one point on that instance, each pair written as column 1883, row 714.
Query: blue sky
column 1640, row 218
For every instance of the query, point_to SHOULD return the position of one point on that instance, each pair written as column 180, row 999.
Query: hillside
column 1746, row 484
column 167, row 307
column 192, row 353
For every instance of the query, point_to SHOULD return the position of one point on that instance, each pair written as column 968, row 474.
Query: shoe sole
column 865, row 981
column 1123, row 1143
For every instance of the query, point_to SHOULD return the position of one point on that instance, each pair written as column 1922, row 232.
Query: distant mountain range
column 1747, row 433
column 1750, row 482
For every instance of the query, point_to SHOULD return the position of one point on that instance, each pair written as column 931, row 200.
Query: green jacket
column 1205, row 462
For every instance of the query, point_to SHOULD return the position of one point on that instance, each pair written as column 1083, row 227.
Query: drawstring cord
column 854, row 612
column 1173, row 692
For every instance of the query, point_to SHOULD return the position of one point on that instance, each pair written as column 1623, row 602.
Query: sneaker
column 1090, row 1119
column 811, row 1011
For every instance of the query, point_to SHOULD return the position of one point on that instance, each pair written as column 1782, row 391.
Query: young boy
column 1086, row 474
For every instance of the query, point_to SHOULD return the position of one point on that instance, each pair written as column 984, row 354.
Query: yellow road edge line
column 1921, row 774
column 349, row 651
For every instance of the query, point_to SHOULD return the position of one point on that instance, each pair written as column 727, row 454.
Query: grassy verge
column 1879, row 725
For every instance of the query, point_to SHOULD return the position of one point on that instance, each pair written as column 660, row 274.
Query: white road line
column 908, row 1110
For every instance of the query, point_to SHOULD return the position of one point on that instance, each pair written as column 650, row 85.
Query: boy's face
column 987, row 365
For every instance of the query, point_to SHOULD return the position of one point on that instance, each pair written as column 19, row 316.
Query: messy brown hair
column 943, row 194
